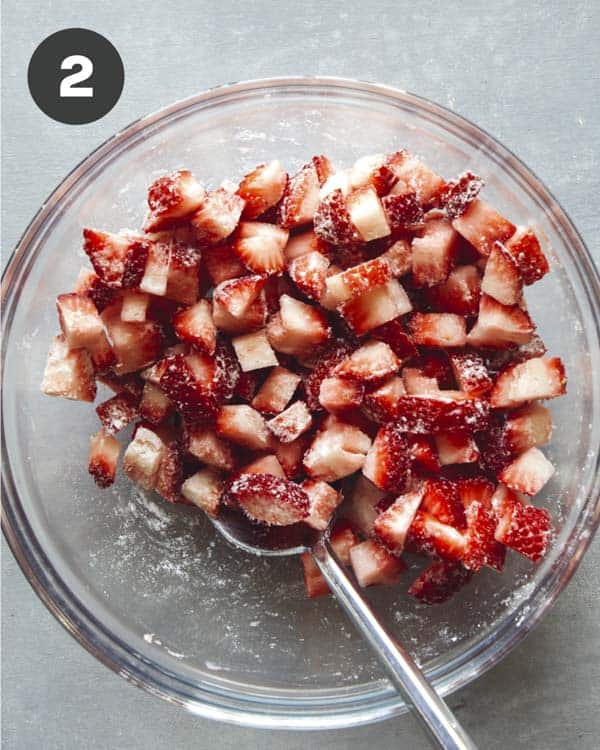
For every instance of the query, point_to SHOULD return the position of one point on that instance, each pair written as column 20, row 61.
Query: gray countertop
column 526, row 72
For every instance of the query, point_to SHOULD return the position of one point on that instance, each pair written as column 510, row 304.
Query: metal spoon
column 278, row 541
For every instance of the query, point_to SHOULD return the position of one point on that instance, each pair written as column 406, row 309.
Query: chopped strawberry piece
column 355, row 281
column 322, row 369
column 268, row 499
column 243, row 425
column 360, row 506
column 393, row 334
column 170, row 472
column 172, row 198
column 338, row 395
column 290, row 455
column 82, row 327
column 300, row 198
column 524, row 528
column 500, row 325
column 398, row 256
column 135, row 345
column 525, row 249
column 262, row 188
column 277, row 391
column 134, row 307
column 204, row 490
column 476, row 489
column 459, row 294
column 372, row 170
column 414, row 176
column 470, row 372
column 291, row 423
column 265, row 465
column 309, row 273
column 372, row 362
column 253, row 319
column 109, row 252
column 218, row 217
column 434, row 253
column 426, row 415
column 381, row 404
column 97, row 290
column 376, row 307
column 332, row 220
column 392, row 526
column 440, row 581
column 254, row 351
column 367, row 214
column 117, row 412
column 143, row 457
column 196, row 326
column 314, row 583
column 456, row 448
column 183, row 275
column 323, row 499
column 416, row 383
column 403, row 212
column 131, row 383
column 190, row 395
column 457, row 195
column 222, row 263
column 531, row 380
column 237, row 295
column 248, row 385
column 302, row 244
column 103, row 457
column 482, row 226
column 528, row 427
column 441, row 499
column 387, row 464
column 336, row 452
column 431, row 537
column 374, row 565
column 482, row 548
column 297, row 327
column 155, row 406
column 156, row 271
column 68, row 373
column 495, row 452
column 202, row 443
column 502, row 279
column 260, row 246
column 528, row 473
column 438, row 329
column 423, row 454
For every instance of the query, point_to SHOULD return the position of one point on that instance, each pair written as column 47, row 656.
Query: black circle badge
column 75, row 76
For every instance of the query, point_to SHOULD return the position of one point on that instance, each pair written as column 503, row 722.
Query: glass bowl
column 147, row 587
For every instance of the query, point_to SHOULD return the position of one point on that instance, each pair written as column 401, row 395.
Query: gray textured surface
column 529, row 74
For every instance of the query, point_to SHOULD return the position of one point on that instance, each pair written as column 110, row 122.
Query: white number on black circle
column 68, row 84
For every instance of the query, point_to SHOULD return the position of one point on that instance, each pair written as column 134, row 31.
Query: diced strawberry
column 134, row 307
column 528, row 427
column 338, row 395
column 156, row 271
column 403, row 212
column 431, row 537
column 398, row 256
column 183, row 276
column 297, row 327
column 260, row 246
column 482, row 226
column 222, row 263
column 82, row 327
column 202, row 443
column 387, row 464
column 302, row 244
column 130, row 383
column 482, row 548
column 476, row 489
column 154, row 373
column 253, row 319
column 143, row 457
column 243, row 425
column 493, row 446
column 248, row 385
column 135, row 345
column 97, row 290
column 500, row 325
column 423, row 454
column 434, row 253
column 524, row 528
column 470, row 372
column 457, row 195
column 108, row 254
column 342, row 540
column 277, row 391
column 414, row 176
column 534, row 379
column 117, row 412
column 264, row 465
column 226, row 371
column 392, row 526
column 170, row 472
column 254, row 351
column 427, row 415
column 528, row 473
column 103, row 457
column 376, row 307
column 525, row 249
column 300, row 198
column 309, row 273
column 218, row 217
column 324, row 368
column 172, row 198
column 416, row 383
column 291, row 423
column 360, row 506
column 438, row 329
column 237, row 295
column 196, row 326
column 323, row 499
column 367, row 214
column 372, row 362
column 440, row 581
column 336, row 452
column 459, row 294
column 374, row 565
column 499, row 359
column 191, row 396
column 268, row 499
column 501, row 278
column 355, row 281
column 332, row 220
column 68, row 373
column 204, row 490
column 262, row 188
column 456, row 448
column 155, row 406
column 380, row 404
column 441, row 499
column 368, row 171
column 290, row 455
column 314, row 583
column 393, row 334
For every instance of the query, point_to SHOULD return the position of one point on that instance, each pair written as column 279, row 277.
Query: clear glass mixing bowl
column 147, row 587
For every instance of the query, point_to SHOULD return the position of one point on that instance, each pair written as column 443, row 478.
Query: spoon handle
column 440, row 723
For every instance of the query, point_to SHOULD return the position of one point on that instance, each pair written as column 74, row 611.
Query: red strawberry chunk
column 426, row 415
column 493, row 446
column 381, row 404
column 476, row 490
column 290, row 455
column 135, row 345
column 156, row 271
column 268, row 499
column 297, row 327
column 309, row 273
column 338, row 395
column 108, row 254
column 203, row 443
column 314, row 583
column 131, row 383
column 367, row 214
column 416, row 383
column 300, row 198
column 502, row 279
column 97, row 290
column 79, row 320
column 439, row 582
column 342, row 540
column 332, row 220
column 434, row 253
column 291, row 423
column 117, row 412
column 155, row 405
column 172, row 198
column 403, row 212
column 441, row 499
column 456, row 448
column 528, row 473
column 457, row 195
column 142, row 458
column 438, row 329
column 470, row 372
column 482, row 226
column 248, row 385
column 360, row 506
column 355, row 281
column 203, row 489
column 103, row 457
column 134, row 307
column 392, row 526
column 68, row 373
column 183, row 276
column 398, row 256
column 336, row 452
column 414, row 176
column 243, row 425
column 196, row 326
column 525, row 249
column 376, row 307
column 373, row 565
column 264, row 465
column 531, row 380
column 253, row 319
column 500, row 325
column 260, row 246
column 482, row 547
column 323, row 499
column 431, row 537
column 393, row 333
column 222, row 263
column 262, row 188
column 170, row 472
column 526, row 529
column 387, row 464
column 370, row 363
column 237, row 295
column 459, row 294
column 277, row 391
column 254, row 351
column 423, row 454
column 322, row 369
column 218, row 217
column 302, row 244
column 528, row 427
column 372, row 170
column 192, row 397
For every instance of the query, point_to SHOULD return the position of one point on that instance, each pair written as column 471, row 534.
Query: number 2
column 67, row 85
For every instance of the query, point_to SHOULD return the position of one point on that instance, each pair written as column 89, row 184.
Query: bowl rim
column 92, row 635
